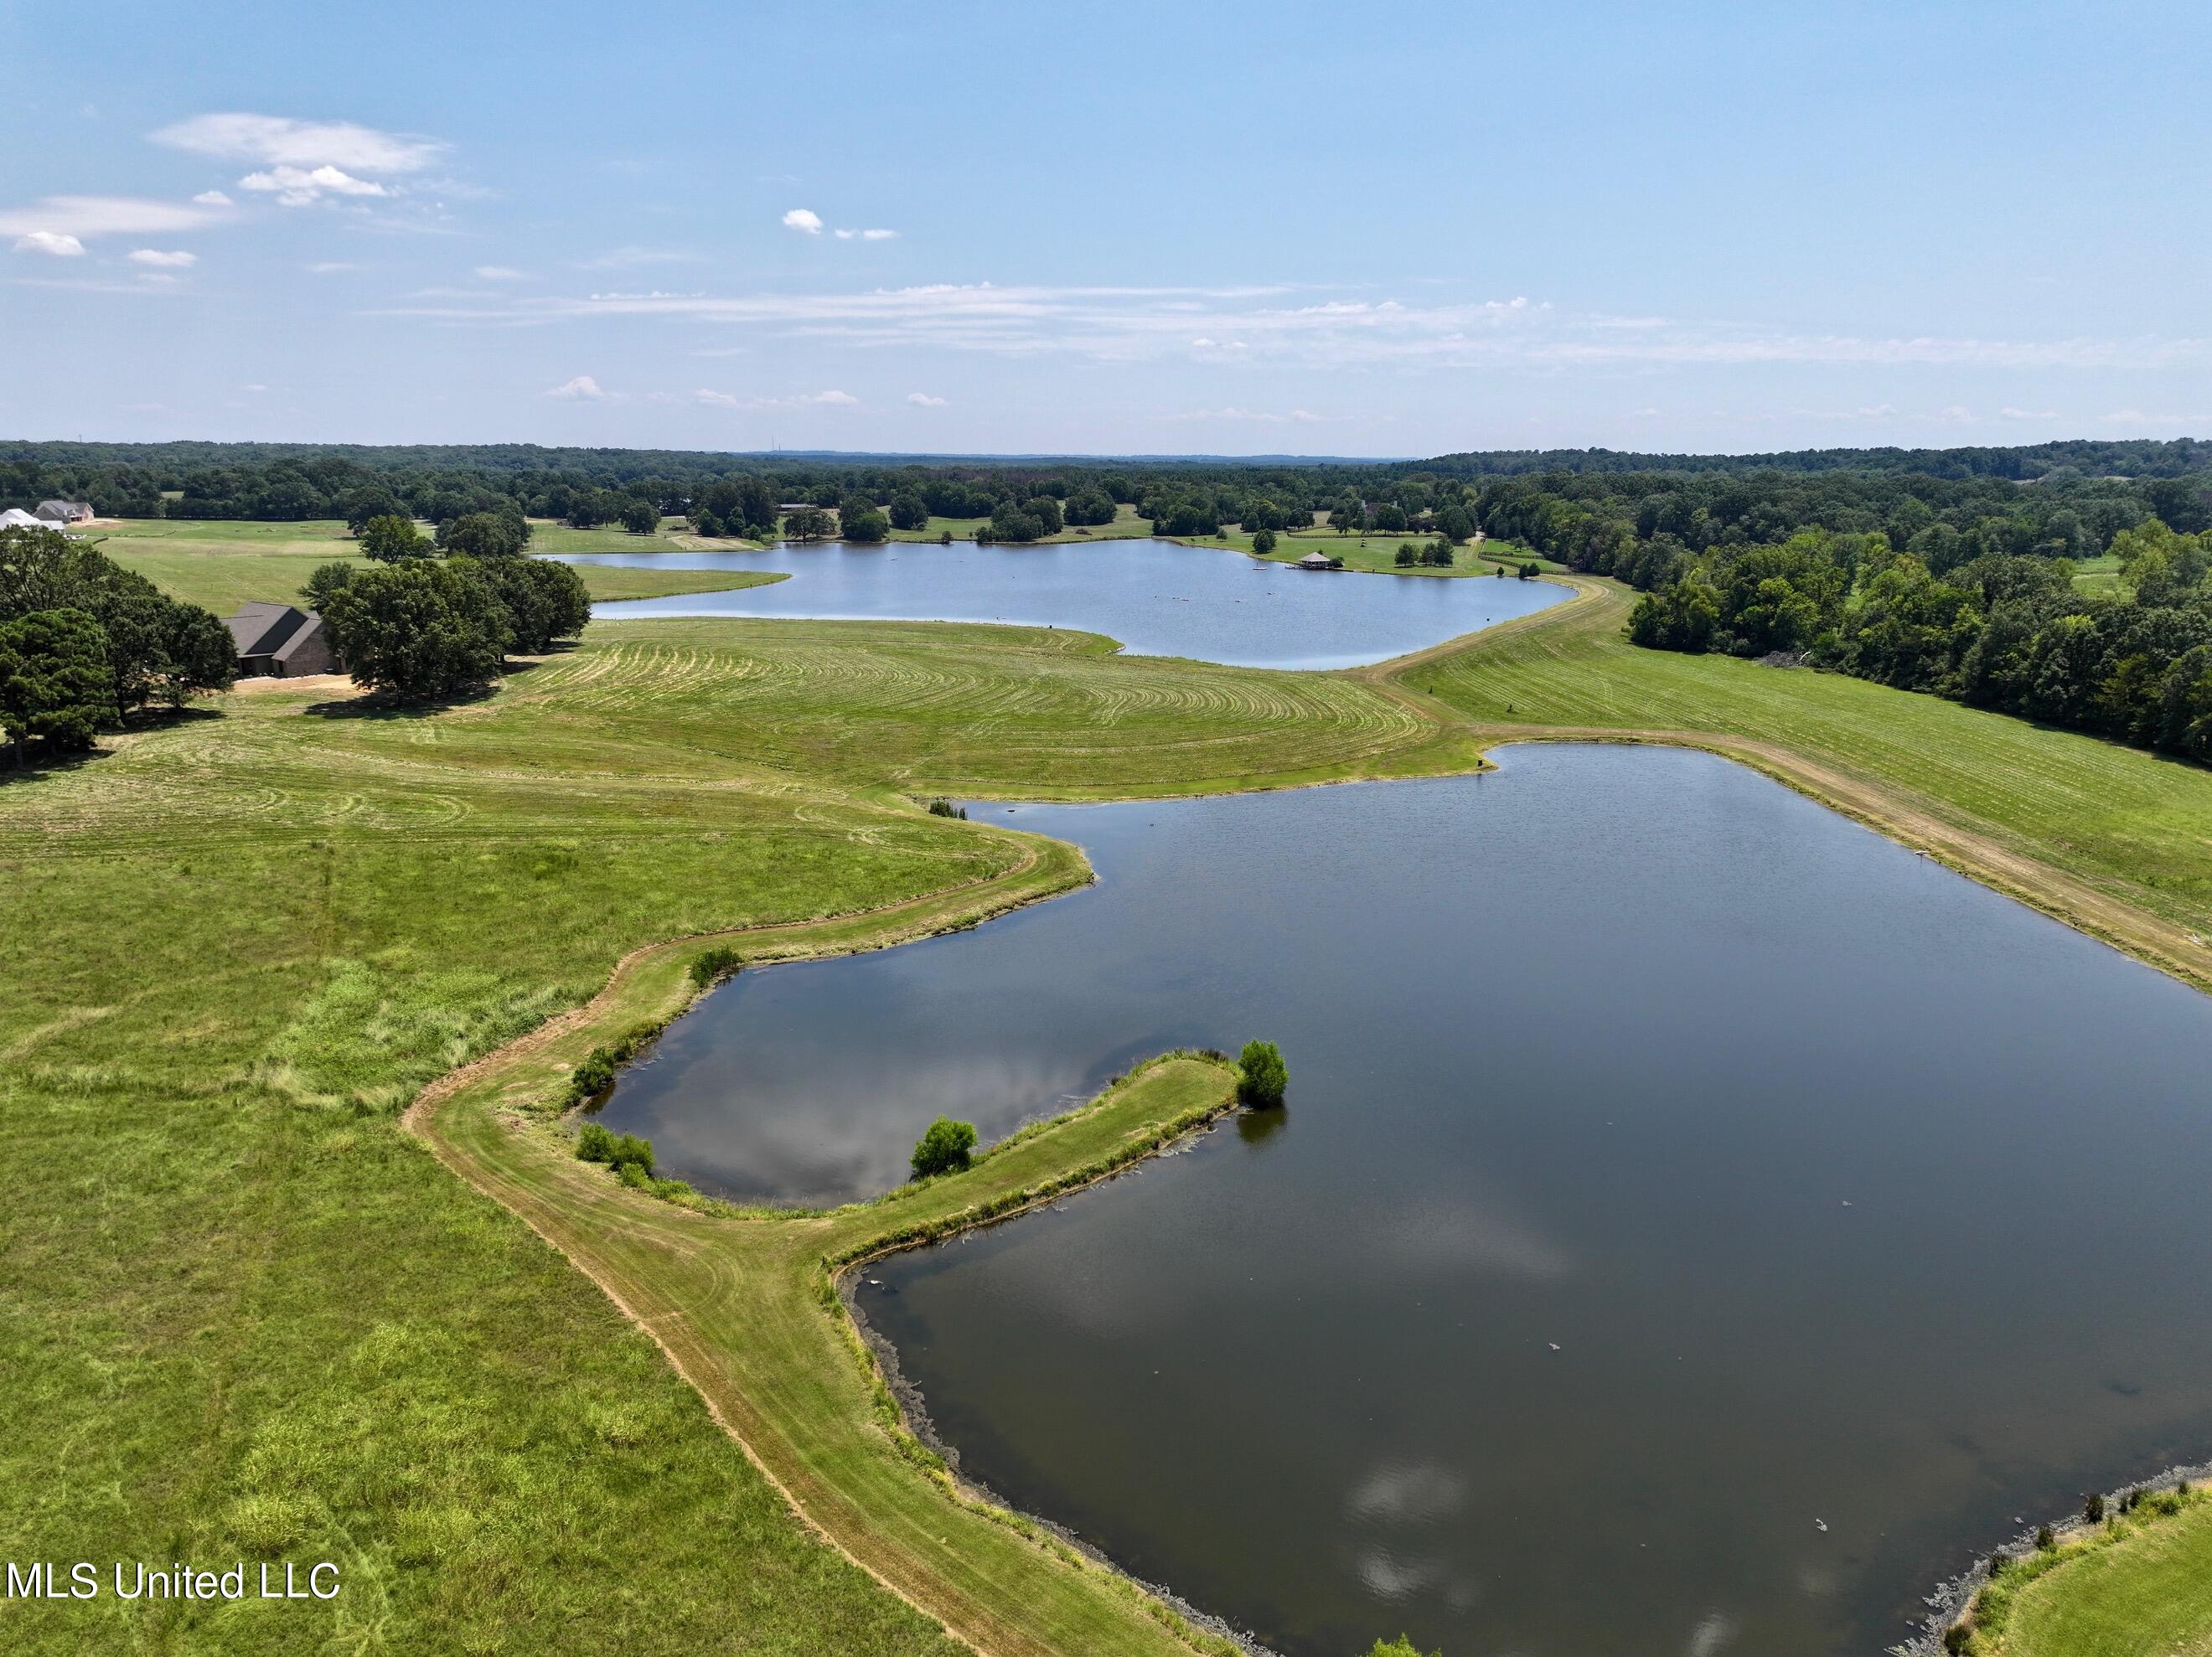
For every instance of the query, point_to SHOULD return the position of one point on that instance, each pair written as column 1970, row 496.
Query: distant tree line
column 84, row 644
column 1584, row 507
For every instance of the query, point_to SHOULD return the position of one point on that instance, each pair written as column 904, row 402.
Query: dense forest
column 1956, row 572
column 276, row 480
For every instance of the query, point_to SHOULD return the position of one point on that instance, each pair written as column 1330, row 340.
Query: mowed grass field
column 222, row 565
column 2148, row 1594
column 249, row 1314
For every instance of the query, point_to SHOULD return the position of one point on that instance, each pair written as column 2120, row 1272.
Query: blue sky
column 1115, row 228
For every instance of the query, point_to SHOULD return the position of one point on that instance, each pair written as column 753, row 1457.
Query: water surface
column 1671, row 1168
column 1158, row 598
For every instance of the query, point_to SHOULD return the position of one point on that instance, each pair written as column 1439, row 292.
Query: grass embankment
column 2136, row 1585
column 2112, row 840
column 744, row 1308
column 224, row 565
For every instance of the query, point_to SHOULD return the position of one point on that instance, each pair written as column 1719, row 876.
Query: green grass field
column 1377, row 554
column 249, row 1313
column 2099, row 577
column 1126, row 526
column 222, row 566
column 256, row 1316
column 2139, row 1584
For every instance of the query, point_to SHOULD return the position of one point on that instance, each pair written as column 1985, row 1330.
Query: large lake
column 1158, row 598
column 1696, row 1221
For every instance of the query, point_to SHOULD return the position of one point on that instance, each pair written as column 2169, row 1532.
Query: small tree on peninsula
column 945, row 1147
column 1262, row 1075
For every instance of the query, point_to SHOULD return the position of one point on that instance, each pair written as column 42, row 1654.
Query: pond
column 1158, row 597
column 1697, row 1221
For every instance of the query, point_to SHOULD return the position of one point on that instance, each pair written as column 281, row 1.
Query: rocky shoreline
column 1951, row 1598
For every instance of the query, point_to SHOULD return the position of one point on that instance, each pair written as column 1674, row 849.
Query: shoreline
column 913, row 1407
column 1952, row 1597
column 531, row 1133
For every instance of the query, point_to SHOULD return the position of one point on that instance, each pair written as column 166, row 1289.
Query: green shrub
column 595, row 1144
column 2093, row 1509
column 1957, row 1638
column 716, row 964
column 592, row 1078
column 944, row 1146
column 1262, row 1075
column 596, row 1074
column 628, row 1150
column 636, row 1178
column 946, row 807
column 2045, row 1539
column 1400, row 1646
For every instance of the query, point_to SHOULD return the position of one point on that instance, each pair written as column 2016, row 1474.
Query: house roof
column 266, row 629
column 291, row 646
column 65, row 506
column 1318, row 559
column 15, row 519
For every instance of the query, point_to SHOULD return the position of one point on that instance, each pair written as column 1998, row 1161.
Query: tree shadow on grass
column 36, row 767
column 169, row 719
column 382, row 705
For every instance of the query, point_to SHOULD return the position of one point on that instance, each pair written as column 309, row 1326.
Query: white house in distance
column 17, row 519
column 55, row 514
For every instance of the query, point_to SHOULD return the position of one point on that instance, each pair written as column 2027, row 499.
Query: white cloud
column 331, row 267
column 296, row 186
column 862, row 235
column 212, row 199
column 925, row 399
column 2179, row 423
column 155, row 256
column 102, row 215
column 625, row 258
column 49, row 241
column 2029, row 414
column 1260, row 416
column 1266, row 324
column 276, row 142
column 253, row 388
column 802, row 400
column 582, row 389
column 804, row 219
column 501, row 273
